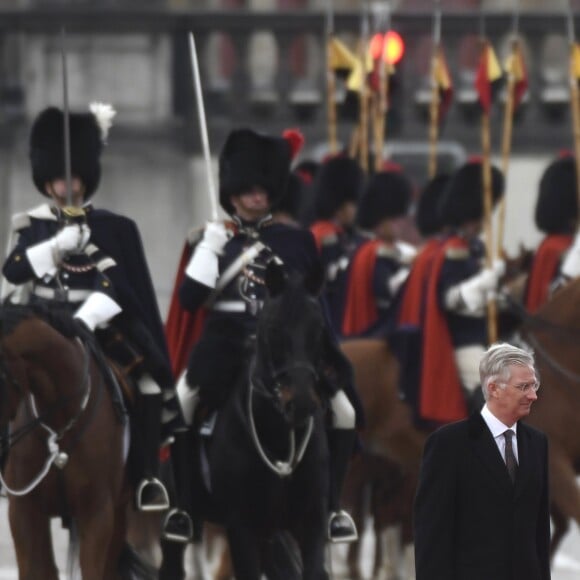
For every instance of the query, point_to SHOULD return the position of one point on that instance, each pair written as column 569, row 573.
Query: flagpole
column 381, row 103
column 364, row 100
column 435, row 97
column 488, row 208
column 506, row 142
column 574, row 104
column 330, row 83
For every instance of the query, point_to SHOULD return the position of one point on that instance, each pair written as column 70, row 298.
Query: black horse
column 266, row 464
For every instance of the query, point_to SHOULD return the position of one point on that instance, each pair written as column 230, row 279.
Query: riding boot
column 151, row 493
column 341, row 527
column 178, row 526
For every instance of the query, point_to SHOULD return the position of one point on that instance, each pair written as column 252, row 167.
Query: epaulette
column 20, row 221
column 457, row 253
column 384, row 251
column 329, row 240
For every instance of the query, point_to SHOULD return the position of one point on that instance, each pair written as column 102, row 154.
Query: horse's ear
column 314, row 280
column 275, row 278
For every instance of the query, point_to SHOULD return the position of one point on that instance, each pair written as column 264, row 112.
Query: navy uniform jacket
column 460, row 265
column 471, row 522
column 121, row 269
column 233, row 312
column 336, row 252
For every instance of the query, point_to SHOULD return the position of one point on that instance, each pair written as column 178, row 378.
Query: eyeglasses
column 525, row 387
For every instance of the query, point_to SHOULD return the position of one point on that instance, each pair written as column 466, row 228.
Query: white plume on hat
column 104, row 114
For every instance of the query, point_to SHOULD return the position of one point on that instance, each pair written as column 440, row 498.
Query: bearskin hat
column 387, row 195
column 87, row 132
column 462, row 200
column 340, row 180
column 249, row 159
column 427, row 216
column 293, row 198
column 557, row 204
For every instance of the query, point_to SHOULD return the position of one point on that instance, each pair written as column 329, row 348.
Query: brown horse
column 554, row 334
column 393, row 447
column 66, row 456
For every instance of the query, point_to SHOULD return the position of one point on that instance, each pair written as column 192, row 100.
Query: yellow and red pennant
column 487, row 76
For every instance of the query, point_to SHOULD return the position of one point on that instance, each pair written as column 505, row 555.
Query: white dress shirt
column 497, row 429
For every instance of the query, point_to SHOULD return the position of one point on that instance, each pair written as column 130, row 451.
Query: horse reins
column 295, row 455
column 56, row 455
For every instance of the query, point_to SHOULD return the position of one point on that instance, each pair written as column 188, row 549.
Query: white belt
column 232, row 305
column 52, row 294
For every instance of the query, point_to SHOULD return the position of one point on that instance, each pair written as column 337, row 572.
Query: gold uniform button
column 17, row 258
column 106, row 283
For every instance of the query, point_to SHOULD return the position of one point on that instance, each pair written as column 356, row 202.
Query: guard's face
column 57, row 191
column 514, row 401
column 251, row 205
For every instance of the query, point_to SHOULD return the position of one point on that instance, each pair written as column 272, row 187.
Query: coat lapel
column 486, row 449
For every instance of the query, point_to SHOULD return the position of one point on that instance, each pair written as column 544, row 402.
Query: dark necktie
column 510, row 458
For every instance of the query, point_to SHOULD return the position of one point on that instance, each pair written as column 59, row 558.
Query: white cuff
column 343, row 413
column 43, row 258
column 203, row 266
column 97, row 310
column 571, row 264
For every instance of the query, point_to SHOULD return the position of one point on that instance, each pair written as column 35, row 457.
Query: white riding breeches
column 188, row 398
column 343, row 414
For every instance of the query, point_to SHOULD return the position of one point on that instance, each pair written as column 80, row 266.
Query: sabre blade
column 66, row 118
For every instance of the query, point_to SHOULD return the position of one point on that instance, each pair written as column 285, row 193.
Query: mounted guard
column 224, row 280
column 90, row 262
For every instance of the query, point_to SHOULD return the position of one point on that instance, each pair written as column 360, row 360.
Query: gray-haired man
column 481, row 509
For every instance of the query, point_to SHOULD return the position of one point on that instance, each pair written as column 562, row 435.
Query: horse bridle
column 56, row 456
column 274, row 394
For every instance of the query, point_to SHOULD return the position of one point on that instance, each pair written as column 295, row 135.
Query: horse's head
column 290, row 339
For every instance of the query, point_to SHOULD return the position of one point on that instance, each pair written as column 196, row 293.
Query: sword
column 66, row 118
column 203, row 127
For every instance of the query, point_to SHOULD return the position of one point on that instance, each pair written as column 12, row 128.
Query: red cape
column 441, row 395
column 412, row 300
column 323, row 228
column 182, row 329
column 544, row 269
column 360, row 306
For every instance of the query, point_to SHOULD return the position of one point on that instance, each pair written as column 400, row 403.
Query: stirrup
column 158, row 500
column 177, row 526
column 344, row 528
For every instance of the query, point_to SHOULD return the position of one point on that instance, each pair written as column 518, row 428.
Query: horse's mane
column 59, row 318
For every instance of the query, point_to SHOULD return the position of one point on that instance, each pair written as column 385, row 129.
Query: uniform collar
column 252, row 228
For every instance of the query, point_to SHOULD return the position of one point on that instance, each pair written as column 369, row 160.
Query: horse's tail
column 282, row 558
column 72, row 558
column 133, row 567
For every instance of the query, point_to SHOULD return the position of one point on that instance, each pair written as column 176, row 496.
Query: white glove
column 476, row 289
column 203, row 266
column 571, row 264
column 214, row 237
column 499, row 267
column 97, row 310
column 72, row 238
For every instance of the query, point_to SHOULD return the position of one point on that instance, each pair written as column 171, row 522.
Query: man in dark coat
column 90, row 262
column 482, row 504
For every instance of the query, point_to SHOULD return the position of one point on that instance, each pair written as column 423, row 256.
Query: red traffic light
column 391, row 46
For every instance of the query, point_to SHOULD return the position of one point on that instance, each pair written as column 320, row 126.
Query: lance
column 68, row 210
column 508, row 121
column 487, row 198
column 435, row 97
column 382, row 102
column 574, row 104
column 363, row 96
column 330, row 82
column 203, row 127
